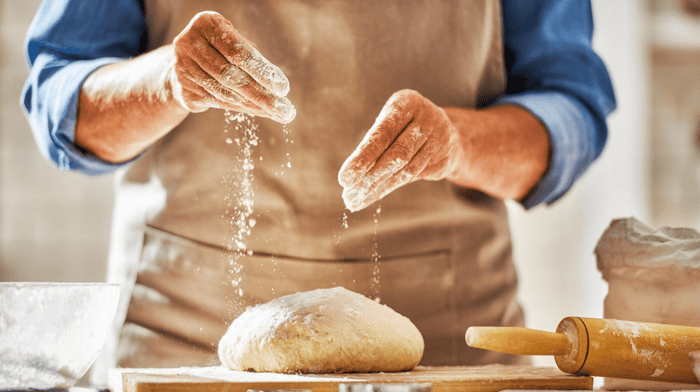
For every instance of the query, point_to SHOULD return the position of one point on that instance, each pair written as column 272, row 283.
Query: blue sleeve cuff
column 574, row 136
column 61, row 79
column 68, row 40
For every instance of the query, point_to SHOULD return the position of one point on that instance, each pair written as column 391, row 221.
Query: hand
column 412, row 139
column 502, row 151
column 214, row 66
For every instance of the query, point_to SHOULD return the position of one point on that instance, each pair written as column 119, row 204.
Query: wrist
column 502, row 151
column 126, row 106
column 166, row 84
column 467, row 128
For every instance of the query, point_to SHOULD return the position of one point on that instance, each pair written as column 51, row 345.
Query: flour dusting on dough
column 321, row 331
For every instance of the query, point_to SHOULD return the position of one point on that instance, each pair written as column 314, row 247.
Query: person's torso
column 344, row 59
column 436, row 253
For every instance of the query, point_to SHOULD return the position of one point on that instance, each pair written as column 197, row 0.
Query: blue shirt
column 552, row 72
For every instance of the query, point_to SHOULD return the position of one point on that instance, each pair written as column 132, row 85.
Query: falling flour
column 287, row 140
column 288, row 159
column 241, row 132
column 343, row 225
column 374, row 286
column 239, row 183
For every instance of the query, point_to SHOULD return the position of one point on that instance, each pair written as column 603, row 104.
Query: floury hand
column 214, row 66
column 411, row 139
column 501, row 150
column 126, row 106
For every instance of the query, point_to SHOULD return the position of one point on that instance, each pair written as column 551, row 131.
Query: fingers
column 411, row 139
column 229, row 80
column 393, row 118
column 240, row 51
column 243, row 84
column 199, row 91
column 229, row 68
column 393, row 174
column 237, row 50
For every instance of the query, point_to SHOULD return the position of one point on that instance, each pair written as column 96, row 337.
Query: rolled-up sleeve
column 68, row 40
column 554, row 73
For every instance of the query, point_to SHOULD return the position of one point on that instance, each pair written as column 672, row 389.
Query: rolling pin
column 602, row 348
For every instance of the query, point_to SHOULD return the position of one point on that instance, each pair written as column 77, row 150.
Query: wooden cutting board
column 449, row 378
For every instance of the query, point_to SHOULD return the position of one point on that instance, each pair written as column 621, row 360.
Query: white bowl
column 50, row 333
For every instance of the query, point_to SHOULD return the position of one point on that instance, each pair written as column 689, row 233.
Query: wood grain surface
column 449, row 378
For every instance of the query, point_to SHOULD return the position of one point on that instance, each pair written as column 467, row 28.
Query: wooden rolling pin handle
column 520, row 341
column 603, row 348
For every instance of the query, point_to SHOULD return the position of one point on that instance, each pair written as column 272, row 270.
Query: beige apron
column 437, row 253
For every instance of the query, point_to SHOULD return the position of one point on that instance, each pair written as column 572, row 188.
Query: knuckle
column 187, row 44
column 225, row 94
column 407, row 95
column 223, row 70
column 404, row 101
column 183, row 39
column 198, row 24
column 433, row 150
column 212, row 25
column 205, row 18
column 239, row 52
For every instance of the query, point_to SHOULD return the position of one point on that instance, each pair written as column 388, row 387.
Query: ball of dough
column 321, row 331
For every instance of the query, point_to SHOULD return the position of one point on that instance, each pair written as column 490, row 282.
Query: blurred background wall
column 54, row 226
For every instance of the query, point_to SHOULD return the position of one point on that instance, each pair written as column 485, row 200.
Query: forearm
column 502, row 151
column 125, row 107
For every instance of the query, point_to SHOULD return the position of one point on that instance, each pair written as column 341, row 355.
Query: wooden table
column 489, row 378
